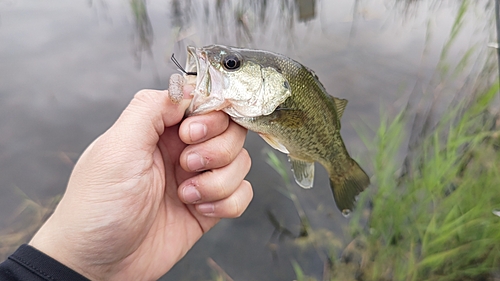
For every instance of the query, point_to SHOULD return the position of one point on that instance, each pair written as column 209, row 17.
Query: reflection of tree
column 101, row 9
column 307, row 9
column 143, row 35
column 240, row 21
column 181, row 13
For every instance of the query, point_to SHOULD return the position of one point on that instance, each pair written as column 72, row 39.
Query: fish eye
column 232, row 62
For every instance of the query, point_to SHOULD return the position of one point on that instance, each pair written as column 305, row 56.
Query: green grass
column 436, row 221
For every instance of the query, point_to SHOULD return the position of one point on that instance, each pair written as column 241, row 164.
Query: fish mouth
column 192, row 64
column 197, row 62
column 210, row 83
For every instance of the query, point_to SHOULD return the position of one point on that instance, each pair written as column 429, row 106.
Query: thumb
column 143, row 121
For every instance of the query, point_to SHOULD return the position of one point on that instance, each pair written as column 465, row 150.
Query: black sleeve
column 29, row 264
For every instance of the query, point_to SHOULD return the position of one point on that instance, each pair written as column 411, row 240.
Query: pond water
column 68, row 68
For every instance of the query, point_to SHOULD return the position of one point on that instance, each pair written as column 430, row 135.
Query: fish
column 285, row 103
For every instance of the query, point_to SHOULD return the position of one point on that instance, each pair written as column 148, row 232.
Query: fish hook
column 180, row 67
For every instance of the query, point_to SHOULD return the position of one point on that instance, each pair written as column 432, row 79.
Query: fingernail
column 191, row 194
column 206, row 208
column 195, row 162
column 197, row 131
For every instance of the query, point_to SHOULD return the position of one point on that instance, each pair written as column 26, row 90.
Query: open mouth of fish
column 195, row 64
column 209, row 83
column 197, row 74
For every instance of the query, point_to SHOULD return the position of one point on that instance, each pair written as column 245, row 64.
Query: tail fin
column 347, row 186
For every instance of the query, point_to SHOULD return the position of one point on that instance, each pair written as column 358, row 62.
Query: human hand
column 136, row 201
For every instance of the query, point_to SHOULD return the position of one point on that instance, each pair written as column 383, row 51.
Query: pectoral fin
column 290, row 118
column 303, row 172
column 275, row 143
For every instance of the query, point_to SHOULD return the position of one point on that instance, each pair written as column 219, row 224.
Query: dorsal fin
column 340, row 104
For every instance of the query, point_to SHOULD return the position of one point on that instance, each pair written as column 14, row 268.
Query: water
column 69, row 68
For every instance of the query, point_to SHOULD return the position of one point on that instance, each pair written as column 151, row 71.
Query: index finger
column 196, row 129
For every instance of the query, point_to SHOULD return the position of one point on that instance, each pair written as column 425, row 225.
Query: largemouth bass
column 285, row 103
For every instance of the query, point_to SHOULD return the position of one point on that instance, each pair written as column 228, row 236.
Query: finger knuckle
column 238, row 209
column 144, row 95
column 226, row 152
column 247, row 160
column 248, row 187
column 241, row 203
column 220, row 188
column 145, row 99
column 220, row 118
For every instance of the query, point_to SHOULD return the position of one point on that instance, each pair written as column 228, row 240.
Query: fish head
column 241, row 82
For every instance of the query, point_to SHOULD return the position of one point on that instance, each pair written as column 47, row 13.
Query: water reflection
column 238, row 21
column 68, row 76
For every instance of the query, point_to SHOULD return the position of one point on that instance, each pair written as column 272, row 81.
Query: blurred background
column 68, row 68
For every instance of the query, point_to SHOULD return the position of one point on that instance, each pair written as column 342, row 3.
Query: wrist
column 51, row 241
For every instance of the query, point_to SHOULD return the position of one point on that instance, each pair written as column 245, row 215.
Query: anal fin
column 303, row 172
